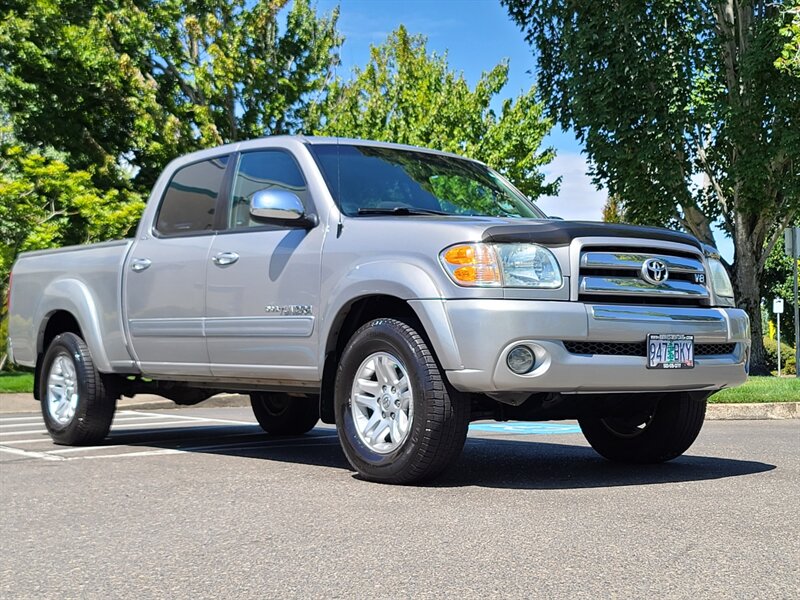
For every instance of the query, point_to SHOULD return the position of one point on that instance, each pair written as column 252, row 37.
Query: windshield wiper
column 399, row 210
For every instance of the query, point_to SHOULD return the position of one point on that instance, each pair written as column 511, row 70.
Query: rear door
column 165, row 275
column 264, row 280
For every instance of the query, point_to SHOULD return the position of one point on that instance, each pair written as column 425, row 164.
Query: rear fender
column 74, row 297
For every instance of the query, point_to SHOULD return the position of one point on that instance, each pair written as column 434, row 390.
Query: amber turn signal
column 472, row 265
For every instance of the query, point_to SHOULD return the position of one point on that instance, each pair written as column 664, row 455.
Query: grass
column 757, row 389
column 761, row 389
column 16, row 383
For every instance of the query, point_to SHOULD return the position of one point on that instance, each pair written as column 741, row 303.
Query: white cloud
column 578, row 199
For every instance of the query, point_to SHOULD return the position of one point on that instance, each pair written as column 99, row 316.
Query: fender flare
column 74, row 297
column 408, row 282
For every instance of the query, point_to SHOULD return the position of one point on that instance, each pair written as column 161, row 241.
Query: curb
column 221, row 401
column 24, row 403
column 753, row 411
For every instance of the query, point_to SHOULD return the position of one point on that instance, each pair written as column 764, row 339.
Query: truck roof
column 303, row 139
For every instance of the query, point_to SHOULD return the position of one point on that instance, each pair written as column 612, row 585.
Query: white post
column 779, row 344
column 795, row 253
column 777, row 308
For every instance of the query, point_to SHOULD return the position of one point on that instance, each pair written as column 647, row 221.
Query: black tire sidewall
column 72, row 345
column 299, row 416
column 674, row 426
column 380, row 336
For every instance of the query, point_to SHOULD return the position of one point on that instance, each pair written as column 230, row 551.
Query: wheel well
column 59, row 322
column 350, row 318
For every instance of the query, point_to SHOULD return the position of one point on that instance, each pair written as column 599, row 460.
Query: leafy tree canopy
column 789, row 60
column 409, row 96
column 44, row 203
column 683, row 114
column 126, row 85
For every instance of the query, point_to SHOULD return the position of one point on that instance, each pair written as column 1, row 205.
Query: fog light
column 520, row 359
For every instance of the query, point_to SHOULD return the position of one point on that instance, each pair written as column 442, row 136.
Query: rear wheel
column 282, row 414
column 396, row 418
column 652, row 437
column 76, row 407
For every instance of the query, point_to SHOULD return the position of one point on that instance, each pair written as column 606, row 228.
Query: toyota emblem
column 654, row 271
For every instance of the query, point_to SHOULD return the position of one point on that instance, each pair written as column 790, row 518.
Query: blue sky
column 476, row 35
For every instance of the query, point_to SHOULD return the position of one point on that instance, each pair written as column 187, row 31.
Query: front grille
column 640, row 348
column 615, row 275
column 714, row 349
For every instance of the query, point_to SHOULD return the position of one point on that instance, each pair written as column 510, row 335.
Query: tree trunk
column 746, row 277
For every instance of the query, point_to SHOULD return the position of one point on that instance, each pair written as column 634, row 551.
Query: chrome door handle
column 140, row 264
column 225, row 258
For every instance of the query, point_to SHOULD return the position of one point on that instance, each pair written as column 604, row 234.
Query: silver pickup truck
column 395, row 291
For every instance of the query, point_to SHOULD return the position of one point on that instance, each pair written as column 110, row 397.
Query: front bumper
column 483, row 331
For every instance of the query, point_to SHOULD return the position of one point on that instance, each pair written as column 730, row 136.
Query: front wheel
column 657, row 436
column 76, row 406
column 396, row 418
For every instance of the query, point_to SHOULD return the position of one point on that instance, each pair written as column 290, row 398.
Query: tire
column 422, row 424
column 76, row 405
column 282, row 414
column 664, row 434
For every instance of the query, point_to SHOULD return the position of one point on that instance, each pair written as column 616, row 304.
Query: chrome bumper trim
column 632, row 286
column 653, row 313
column 622, row 260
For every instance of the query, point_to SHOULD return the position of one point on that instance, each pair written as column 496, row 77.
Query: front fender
column 407, row 282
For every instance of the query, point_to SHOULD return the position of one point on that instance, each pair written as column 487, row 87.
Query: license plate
column 670, row 351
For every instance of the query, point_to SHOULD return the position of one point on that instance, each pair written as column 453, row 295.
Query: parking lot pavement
column 200, row 503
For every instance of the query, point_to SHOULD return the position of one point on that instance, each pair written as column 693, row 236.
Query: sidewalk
column 17, row 403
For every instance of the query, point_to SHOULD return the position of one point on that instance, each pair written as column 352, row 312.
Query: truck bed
column 88, row 277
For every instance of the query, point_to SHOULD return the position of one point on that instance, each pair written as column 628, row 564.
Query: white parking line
column 148, row 421
column 113, row 428
column 3, row 424
column 158, row 426
column 273, row 443
column 24, row 431
column 30, row 453
column 205, row 419
column 32, row 418
column 118, row 419
column 125, row 420
column 193, row 449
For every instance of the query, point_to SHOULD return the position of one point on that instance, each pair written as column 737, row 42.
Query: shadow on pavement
column 497, row 463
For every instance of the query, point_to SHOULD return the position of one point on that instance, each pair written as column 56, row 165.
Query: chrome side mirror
column 280, row 206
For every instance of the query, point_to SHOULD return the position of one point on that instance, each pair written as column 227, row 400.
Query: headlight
column 719, row 279
column 509, row 265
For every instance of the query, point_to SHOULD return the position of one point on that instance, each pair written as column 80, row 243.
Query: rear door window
column 190, row 201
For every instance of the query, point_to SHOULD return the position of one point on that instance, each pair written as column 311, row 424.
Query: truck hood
column 548, row 232
column 561, row 233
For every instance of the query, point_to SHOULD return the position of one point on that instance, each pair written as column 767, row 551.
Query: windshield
column 369, row 180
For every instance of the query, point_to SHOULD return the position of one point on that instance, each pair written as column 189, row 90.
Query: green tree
column 123, row 86
column 661, row 93
column 409, row 96
column 789, row 60
column 777, row 282
column 614, row 210
column 45, row 204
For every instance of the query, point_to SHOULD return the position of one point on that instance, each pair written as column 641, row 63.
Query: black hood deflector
column 561, row 233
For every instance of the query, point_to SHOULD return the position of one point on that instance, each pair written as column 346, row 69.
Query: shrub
column 788, row 366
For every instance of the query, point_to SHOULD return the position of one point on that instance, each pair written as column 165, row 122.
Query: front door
column 165, row 274
column 263, row 281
